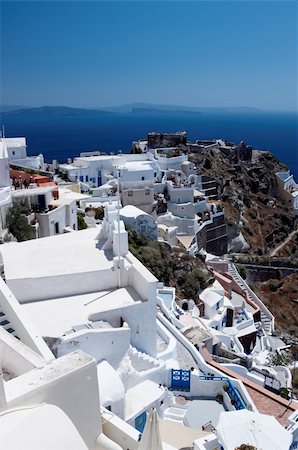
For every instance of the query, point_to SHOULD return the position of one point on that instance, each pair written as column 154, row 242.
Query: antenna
column 118, row 222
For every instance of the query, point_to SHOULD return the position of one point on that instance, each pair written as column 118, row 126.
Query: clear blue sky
column 198, row 53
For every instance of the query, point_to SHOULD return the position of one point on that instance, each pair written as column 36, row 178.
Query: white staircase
column 4, row 323
column 267, row 319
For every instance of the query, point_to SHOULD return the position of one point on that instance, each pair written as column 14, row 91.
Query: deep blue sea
column 60, row 137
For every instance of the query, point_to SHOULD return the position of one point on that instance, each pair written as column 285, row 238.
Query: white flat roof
column 56, row 316
column 68, row 167
column 44, row 427
column 56, row 255
column 72, row 195
column 15, row 142
column 32, row 191
column 137, row 165
column 132, row 211
column 98, row 157
column 210, row 297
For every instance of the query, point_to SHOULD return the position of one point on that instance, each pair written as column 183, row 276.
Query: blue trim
column 140, row 422
column 232, row 391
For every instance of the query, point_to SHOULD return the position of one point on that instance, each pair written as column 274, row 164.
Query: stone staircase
column 141, row 361
column 175, row 414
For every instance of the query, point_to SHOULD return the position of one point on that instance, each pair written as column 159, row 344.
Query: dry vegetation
column 249, row 195
column 281, row 297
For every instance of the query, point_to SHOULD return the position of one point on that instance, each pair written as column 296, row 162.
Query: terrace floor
column 195, row 411
column 201, row 411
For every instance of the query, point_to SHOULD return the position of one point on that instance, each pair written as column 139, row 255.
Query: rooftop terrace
column 54, row 317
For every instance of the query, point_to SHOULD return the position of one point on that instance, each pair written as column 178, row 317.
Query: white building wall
column 180, row 194
column 16, row 148
column 71, row 384
column 184, row 210
column 48, row 221
column 71, row 215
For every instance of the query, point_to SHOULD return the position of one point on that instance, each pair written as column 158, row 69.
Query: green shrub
column 191, row 282
column 81, row 222
column 99, row 213
column 17, row 224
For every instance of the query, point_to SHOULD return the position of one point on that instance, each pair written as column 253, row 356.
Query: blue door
column 99, row 178
column 140, row 422
column 180, row 380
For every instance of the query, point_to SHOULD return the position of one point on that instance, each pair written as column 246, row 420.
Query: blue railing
column 234, row 395
column 180, row 381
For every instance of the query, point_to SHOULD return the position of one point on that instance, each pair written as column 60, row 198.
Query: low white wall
column 141, row 279
column 102, row 344
column 119, row 431
column 171, row 351
column 205, row 388
column 241, row 370
column 65, row 285
column 17, row 358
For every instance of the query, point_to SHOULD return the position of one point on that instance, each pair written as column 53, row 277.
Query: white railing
column 254, row 297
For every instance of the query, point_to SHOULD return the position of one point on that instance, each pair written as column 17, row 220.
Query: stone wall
column 159, row 140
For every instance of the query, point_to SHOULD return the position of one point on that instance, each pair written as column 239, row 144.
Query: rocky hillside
column 174, row 268
column 281, row 297
column 247, row 187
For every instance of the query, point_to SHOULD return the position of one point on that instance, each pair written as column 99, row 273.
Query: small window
column 87, row 178
column 130, row 194
column 217, row 305
column 57, row 228
column 13, row 152
column 143, row 178
column 147, row 191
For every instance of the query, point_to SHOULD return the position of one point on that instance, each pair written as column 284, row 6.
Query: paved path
column 184, row 358
column 280, row 246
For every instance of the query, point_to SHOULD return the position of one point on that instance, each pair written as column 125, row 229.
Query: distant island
column 56, row 111
column 132, row 108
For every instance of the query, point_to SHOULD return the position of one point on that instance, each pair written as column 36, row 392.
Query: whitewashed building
column 50, row 215
column 139, row 221
column 288, row 190
column 17, row 154
column 5, row 190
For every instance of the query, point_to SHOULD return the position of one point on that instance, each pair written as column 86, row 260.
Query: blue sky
column 197, row 53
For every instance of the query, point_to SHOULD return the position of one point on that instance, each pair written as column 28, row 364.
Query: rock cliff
column 256, row 218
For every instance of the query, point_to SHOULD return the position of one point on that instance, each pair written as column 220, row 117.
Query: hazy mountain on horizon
column 133, row 108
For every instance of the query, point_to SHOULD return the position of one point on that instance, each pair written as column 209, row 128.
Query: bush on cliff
column 174, row 268
column 17, row 224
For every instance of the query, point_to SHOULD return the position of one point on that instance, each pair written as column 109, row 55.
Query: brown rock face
column 248, row 191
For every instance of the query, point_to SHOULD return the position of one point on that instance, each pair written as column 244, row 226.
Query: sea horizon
column 63, row 137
